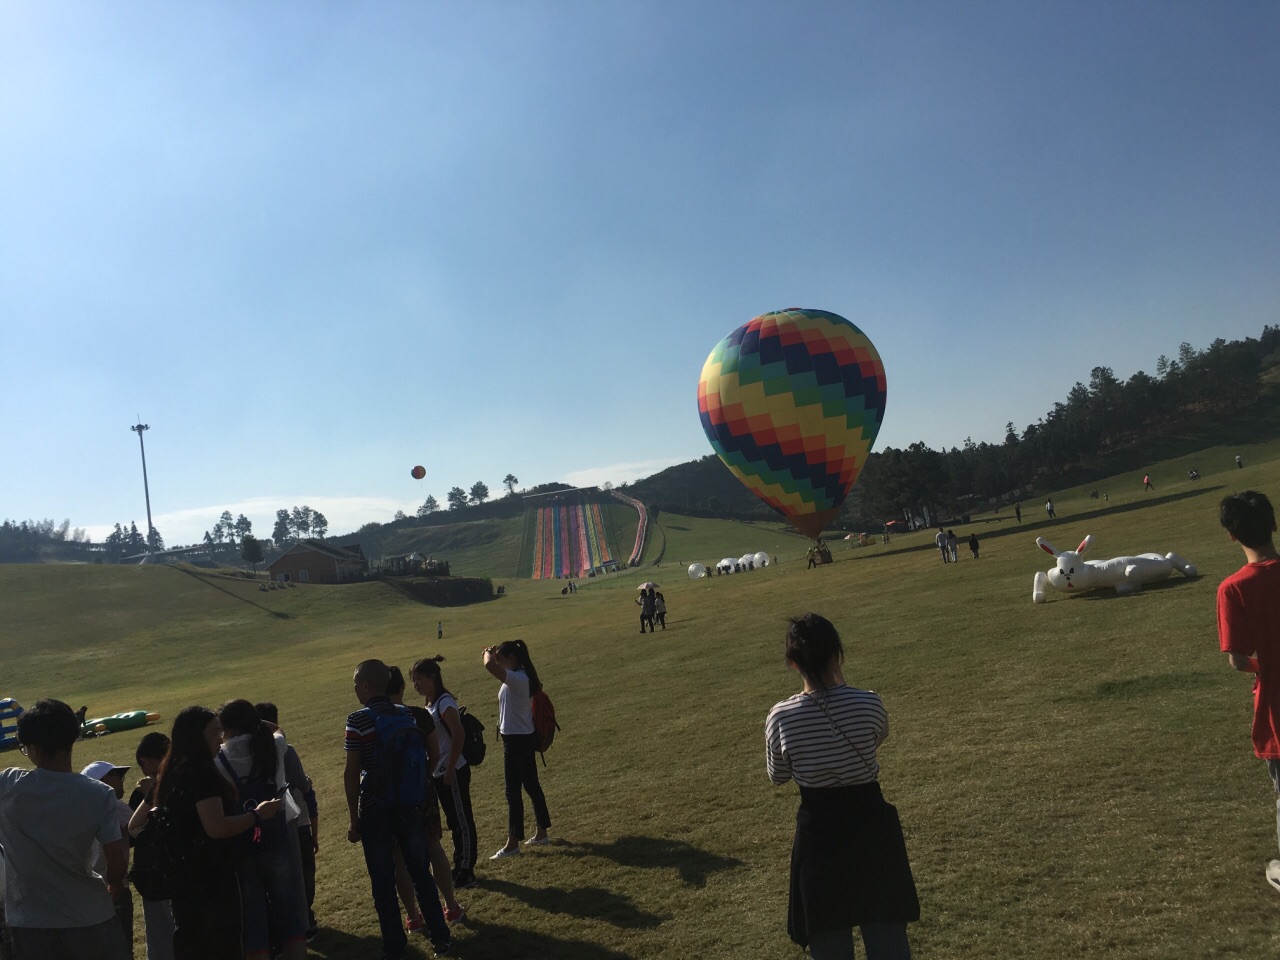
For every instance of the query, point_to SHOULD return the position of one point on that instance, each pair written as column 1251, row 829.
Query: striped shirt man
column 810, row 738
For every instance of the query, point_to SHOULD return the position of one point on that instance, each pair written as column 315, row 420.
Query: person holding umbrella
column 648, row 604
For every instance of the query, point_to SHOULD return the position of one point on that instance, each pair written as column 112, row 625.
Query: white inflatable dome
column 727, row 563
column 697, row 570
column 762, row 559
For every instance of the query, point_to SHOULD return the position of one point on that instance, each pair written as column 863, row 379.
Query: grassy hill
column 1074, row 778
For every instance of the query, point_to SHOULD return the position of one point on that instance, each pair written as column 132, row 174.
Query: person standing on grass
column 385, row 783
column 973, row 545
column 1017, row 511
column 1249, row 626
column 509, row 662
column 453, row 773
column 940, row 538
column 106, row 772
column 647, row 604
column 156, row 914
column 660, row 609
column 1048, row 508
column 273, row 894
column 55, row 905
column 307, row 825
column 849, row 864
column 1146, row 483
column 453, row 910
column 201, row 805
column 953, row 546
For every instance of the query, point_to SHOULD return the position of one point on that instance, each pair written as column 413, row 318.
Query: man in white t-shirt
column 49, row 818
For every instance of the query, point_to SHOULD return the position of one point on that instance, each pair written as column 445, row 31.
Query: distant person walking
column 940, row 538
column 1017, row 511
column 953, row 546
column 509, row 662
column 1146, row 483
column 439, row 629
column 648, row 604
column 849, row 863
column 1239, row 462
column 660, row 609
column 1248, row 609
column 973, row 545
column 1048, row 508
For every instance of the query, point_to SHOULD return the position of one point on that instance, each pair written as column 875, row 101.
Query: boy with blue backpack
column 385, row 778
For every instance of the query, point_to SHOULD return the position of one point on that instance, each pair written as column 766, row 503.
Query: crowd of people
column 224, row 826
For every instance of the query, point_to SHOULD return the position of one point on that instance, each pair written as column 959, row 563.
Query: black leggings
column 520, row 769
column 456, row 803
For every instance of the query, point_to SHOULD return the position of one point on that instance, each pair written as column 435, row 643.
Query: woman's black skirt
column 848, row 863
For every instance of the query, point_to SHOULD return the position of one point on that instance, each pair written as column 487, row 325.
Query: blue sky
column 315, row 244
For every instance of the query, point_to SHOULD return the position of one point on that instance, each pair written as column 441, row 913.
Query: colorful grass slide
column 642, row 529
column 569, row 540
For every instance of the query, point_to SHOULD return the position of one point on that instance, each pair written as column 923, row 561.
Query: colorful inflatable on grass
column 792, row 402
column 1073, row 574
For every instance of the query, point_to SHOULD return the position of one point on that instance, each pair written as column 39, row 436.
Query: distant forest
column 1101, row 428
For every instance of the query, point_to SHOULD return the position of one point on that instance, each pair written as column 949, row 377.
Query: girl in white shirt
column 453, row 775
column 509, row 662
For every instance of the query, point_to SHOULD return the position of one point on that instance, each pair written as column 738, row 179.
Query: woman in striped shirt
column 849, row 860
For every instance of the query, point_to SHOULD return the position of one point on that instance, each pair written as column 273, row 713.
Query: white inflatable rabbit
column 1074, row 574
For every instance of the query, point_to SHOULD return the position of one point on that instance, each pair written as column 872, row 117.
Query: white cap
column 101, row 768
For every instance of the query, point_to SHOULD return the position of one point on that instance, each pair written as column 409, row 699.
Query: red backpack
column 544, row 722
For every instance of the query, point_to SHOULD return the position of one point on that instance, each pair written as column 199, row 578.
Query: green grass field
column 1074, row 778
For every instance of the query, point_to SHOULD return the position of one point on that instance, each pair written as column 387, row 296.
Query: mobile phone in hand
column 283, row 790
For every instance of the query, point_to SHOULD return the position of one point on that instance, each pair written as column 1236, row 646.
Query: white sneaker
column 504, row 853
column 537, row 841
column 1273, row 873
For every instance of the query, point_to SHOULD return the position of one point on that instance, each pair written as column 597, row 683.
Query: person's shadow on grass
column 592, row 903
column 493, row 941
column 331, row 944
column 693, row 864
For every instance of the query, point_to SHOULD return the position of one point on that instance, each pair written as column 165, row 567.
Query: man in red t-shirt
column 1249, row 626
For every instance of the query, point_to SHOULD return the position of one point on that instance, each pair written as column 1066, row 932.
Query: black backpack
column 473, row 745
column 251, row 792
column 166, row 858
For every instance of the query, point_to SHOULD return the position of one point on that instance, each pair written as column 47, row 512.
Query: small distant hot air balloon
column 418, row 472
column 792, row 402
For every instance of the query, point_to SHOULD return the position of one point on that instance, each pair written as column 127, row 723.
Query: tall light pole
column 139, row 428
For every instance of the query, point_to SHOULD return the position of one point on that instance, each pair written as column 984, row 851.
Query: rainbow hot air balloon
column 792, row 402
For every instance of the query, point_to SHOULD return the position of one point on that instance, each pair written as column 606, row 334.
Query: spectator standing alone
column 1048, row 508
column 1017, row 511
column 1239, row 462
column 1248, row 615
column 509, row 662
column 56, row 907
column 849, row 864
column 973, row 545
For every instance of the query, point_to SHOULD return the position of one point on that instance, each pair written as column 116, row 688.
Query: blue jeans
column 380, row 832
column 274, row 873
column 882, row 941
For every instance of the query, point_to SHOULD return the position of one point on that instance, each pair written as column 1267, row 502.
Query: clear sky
column 315, row 244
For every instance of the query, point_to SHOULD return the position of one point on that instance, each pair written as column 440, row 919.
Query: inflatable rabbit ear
column 1046, row 546
column 1084, row 544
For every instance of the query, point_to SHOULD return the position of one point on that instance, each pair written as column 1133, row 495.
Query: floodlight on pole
column 139, row 428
